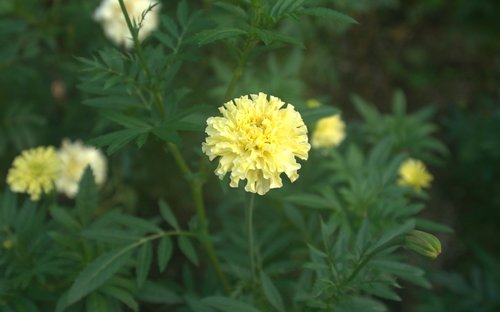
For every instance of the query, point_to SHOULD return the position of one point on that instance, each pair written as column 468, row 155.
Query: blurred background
column 442, row 54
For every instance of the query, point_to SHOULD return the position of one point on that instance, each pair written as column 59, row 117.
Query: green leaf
column 143, row 265
column 126, row 121
column 330, row 14
column 228, row 304
column 212, row 35
column 282, row 7
column 121, row 295
column 136, row 224
column 96, row 303
column 391, row 234
column 86, row 199
column 118, row 139
column 98, row 272
column 187, row 249
column 269, row 37
column 182, row 13
column 433, row 226
column 165, row 248
column 64, row 218
column 155, row 293
column 271, row 293
column 168, row 215
column 308, row 200
column 110, row 235
column 168, row 134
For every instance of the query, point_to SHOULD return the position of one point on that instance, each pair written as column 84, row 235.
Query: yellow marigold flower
column 257, row 139
column 110, row 15
column 34, row 171
column 329, row 132
column 413, row 173
column 75, row 157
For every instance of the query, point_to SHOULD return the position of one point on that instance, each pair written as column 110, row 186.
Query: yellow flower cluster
column 39, row 170
column 34, row 171
column 329, row 132
column 257, row 139
column 413, row 173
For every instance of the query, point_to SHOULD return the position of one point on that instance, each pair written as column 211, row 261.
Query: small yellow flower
column 34, row 171
column 413, row 173
column 329, row 132
column 257, row 139
column 75, row 157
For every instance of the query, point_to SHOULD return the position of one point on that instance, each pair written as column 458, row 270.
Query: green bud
column 423, row 243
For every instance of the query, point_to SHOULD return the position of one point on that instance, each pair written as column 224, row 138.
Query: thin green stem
column 238, row 72
column 197, row 194
column 251, row 243
column 137, row 46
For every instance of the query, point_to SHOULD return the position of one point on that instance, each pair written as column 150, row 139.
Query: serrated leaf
column 330, row 14
column 165, row 248
column 144, row 257
column 168, row 215
column 212, row 35
column 272, row 294
column 225, row 304
column 187, row 249
column 97, row 273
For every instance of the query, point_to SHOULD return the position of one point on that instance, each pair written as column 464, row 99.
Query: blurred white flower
column 109, row 14
column 75, row 157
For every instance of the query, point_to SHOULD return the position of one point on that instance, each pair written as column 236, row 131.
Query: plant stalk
column 251, row 243
column 197, row 194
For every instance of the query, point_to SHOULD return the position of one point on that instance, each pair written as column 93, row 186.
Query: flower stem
column 251, row 243
column 137, row 46
column 238, row 72
column 197, row 194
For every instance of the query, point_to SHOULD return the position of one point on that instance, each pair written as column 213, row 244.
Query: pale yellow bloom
column 34, row 171
column 75, row 157
column 329, row 132
column 413, row 173
column 115, row 27
column 257, row 139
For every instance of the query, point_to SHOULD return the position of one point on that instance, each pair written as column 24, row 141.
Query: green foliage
column 163, row 234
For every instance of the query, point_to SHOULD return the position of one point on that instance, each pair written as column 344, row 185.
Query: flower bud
column 423, row 243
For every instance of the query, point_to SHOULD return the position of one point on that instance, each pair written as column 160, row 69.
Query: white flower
column 75, row 157
column 109, row 14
